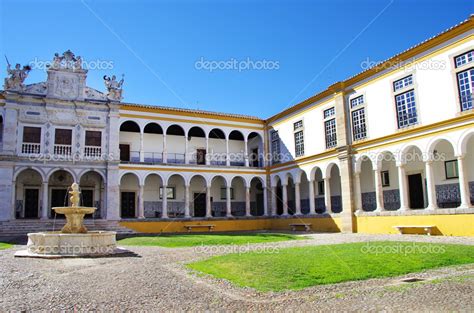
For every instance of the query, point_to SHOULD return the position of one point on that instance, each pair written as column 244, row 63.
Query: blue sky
column 307, row 45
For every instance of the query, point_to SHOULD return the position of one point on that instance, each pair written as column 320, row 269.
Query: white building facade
column 395, row 140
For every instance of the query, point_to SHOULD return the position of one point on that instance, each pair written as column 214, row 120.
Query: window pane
column 63, row 137
column 465, row 87
column 329, row 112
column 93, row 138
column 357, row 101
column 406, row 109
column 299, row 143
column 464, row 58
column 31, row 134
column 358, row 124
column 451, row 169
column 298, row 125
column 330, row 129
column 402, row 83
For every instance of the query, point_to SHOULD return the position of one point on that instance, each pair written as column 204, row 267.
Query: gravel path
column 155, row 279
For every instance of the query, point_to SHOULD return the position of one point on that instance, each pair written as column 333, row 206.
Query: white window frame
column 358, row 107
column 454, row 72
column 327, row 119
column 21, row 127
column 296, row 131
column 405, row 89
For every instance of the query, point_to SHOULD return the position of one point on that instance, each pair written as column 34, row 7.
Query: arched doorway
column 59, row 183
column 92, row 192
column 28, row 187
column 198, row 188
column 257, row 206
column 367, row 185
column 129, row 187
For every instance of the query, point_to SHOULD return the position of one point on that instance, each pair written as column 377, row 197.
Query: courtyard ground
column 157, row 278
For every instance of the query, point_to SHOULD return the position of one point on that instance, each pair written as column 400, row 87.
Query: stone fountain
column 73, row 240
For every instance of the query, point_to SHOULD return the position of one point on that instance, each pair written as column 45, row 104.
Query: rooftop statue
column 68, row 61
column 16, row 77
column 114, row 87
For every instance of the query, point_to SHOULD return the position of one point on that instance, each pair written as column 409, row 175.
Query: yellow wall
column 447, row 225
column 325, row 224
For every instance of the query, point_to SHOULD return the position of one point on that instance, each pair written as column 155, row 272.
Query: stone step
column 22, row 227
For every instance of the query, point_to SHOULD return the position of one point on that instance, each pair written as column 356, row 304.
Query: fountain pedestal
column 73, row 240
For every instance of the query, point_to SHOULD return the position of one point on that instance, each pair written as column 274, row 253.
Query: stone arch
column 434, row 142
column 44, row 177
column 101, row 173
column 186, row 181
column 132, row 173
column 130, row 126
column 52, row 171
column 328, row 169
column 462, row 143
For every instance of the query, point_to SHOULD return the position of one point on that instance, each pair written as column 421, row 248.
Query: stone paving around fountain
column 73, row 240
column 155, row 279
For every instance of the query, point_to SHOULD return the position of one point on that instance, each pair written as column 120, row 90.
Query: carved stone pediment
column 93, row 94
column 37, row 89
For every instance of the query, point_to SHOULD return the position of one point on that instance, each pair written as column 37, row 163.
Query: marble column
column 186, row 201
column 12, row 208
column 186, row 158
column 246, row 153
column 247, row 201
column 206, row 161
column 142, row 152
column 44, row 201
column 208, row 202
column 274, row 200
column 327, row 195
column 141, row 202
column 165, row 149
column 227, row 158
column 403, row 187
column 464, row 184
column 297, row 199
column 312, row 204
column 378, row 191
column 228, row 202
column 430, row 186
column 164, row 202
column 265, row 202
column 357, row 192
column 285, row 199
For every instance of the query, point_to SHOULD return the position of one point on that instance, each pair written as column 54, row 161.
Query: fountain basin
column 74, row 218
column 58, row 244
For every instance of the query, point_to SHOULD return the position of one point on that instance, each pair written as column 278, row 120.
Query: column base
column 431, row 208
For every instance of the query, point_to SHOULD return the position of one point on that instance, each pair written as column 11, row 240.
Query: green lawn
column 4, row 245
column 301, row 267
column 174, row 241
